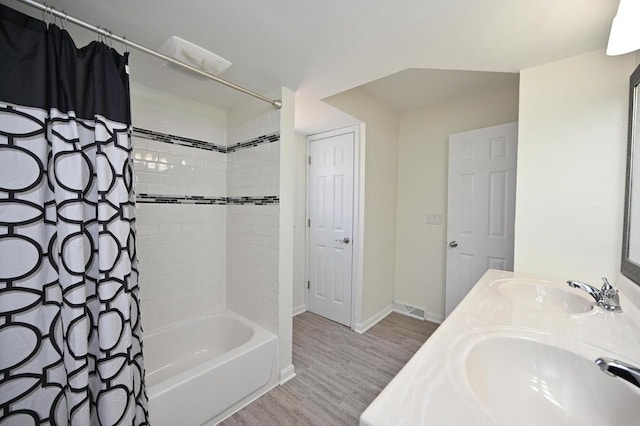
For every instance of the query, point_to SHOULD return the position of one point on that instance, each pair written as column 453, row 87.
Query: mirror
column 631, row 230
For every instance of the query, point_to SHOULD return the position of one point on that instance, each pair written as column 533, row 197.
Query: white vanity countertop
column 433, row 389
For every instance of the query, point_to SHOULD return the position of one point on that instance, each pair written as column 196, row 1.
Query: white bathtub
column 201, row 371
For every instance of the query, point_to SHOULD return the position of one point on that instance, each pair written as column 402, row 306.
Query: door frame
column 356, row 283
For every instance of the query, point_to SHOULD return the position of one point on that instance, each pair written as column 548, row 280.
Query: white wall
column 286, row 236
column 378, row 171
column 300, row 229
column 571, row 166
column 166, row 113
column 181, row 248
column 423, row 141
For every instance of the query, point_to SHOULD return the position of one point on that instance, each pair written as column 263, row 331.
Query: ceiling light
column 625, row 29
column 194, row 55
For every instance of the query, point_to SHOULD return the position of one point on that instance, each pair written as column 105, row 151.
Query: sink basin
column 544, row 297
column 525, row 382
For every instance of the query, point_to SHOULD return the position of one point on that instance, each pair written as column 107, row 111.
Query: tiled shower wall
column 181, row 247
column 208, row 215
column 252, row 229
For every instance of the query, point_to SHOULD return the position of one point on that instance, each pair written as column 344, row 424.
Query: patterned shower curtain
column 70, row 332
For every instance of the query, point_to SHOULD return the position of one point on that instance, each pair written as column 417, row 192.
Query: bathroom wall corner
column 286, row 237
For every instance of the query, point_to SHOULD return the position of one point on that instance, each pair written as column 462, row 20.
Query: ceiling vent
column 194, row 55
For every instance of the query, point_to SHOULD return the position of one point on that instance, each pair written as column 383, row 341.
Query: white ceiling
column 321, row 48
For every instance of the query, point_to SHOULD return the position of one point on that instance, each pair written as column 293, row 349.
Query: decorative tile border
column 198, row 144
column 256, row 201
column 179, row 199
column 274, row 137
column 177, row 140
column 197, row 199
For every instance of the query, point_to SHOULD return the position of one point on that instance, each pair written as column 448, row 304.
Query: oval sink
column 524, row 382
column 544, row 297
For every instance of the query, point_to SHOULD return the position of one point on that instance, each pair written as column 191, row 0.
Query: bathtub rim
column 260, row 336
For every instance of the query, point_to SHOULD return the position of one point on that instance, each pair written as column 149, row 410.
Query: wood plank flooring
column 338, row 372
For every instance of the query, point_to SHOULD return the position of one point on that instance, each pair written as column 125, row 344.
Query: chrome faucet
column 613, row 367
column 607, row 297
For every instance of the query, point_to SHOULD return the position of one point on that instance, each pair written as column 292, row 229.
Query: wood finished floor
column 338, row 372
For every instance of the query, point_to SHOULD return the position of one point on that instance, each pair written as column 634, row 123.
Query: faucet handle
column 610, row 298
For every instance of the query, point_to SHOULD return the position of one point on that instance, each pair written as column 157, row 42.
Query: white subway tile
column 196, row 260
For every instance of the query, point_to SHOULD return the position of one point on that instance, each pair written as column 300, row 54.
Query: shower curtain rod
column 277, row 104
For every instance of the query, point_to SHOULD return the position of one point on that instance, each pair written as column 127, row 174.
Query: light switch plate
column 433, row 219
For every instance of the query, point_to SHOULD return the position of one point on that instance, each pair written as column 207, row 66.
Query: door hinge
column 308, row 285
column 309, row 160
column 308, row 223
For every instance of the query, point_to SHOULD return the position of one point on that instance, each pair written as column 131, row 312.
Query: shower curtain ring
column 47, row 14
column 52, row 16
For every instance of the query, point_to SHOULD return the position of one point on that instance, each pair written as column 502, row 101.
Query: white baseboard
column 299, row 309
column 362, row 327
column 287, row 374
column 430, row 316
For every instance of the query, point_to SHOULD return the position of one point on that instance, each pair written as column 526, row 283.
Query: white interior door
column 481, row 206
column 331, row 201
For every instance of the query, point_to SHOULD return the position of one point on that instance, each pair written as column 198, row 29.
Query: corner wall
column 571, row 166
column 421, row 250
column 300, row 229
column 286, row 265
column 378, row 172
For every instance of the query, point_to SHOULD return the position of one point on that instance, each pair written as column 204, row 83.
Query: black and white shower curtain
column 70, row 332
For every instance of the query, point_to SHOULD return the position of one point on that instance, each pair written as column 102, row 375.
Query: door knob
column 453, row 243
column 345, row 240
